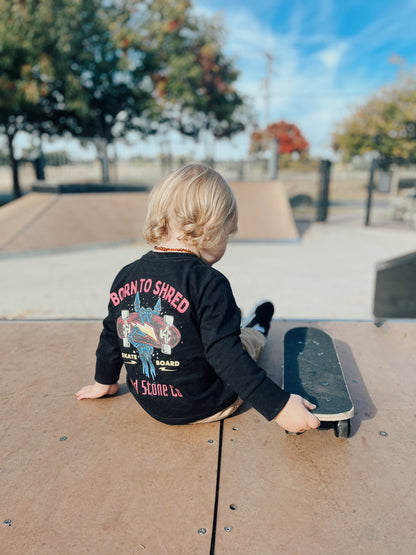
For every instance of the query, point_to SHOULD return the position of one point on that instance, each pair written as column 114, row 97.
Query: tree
column 195, row 82
column 71, row 67
column 385, row 124
column 158, row 64
column 103, row 73
column 289, row 136
column 98, row 69
column 24, row 69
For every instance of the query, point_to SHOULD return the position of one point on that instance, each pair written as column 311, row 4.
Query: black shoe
column 259, row 317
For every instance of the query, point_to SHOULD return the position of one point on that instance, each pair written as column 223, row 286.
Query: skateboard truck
column 126, row 327
column 165, row 335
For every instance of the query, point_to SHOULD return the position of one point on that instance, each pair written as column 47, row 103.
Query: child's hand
column 96, row 391
column 295, row 416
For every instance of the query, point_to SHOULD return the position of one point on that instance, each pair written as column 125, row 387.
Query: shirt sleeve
column 109, row 360
column 220, row 321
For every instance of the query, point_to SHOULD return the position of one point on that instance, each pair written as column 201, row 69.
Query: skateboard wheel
column 166, row 349
column 168, row 320
column 342, row 428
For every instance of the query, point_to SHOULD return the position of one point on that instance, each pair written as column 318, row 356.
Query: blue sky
column 328, row 55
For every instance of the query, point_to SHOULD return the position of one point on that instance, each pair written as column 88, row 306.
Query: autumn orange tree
column 288, row 135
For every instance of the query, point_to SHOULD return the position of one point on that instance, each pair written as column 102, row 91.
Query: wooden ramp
column 264, row 212
column 315, row 493
column 97, row 477
column 52, row 221
column 103, row 477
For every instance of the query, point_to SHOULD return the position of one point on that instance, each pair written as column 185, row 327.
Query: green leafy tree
column 97, row 69
column 136, row 65
column 385, row 123
column 195, row 84
column 65, row 67
column 24, row 70
column 102, row 72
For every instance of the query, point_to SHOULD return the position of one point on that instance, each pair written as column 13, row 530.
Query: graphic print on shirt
column 146, row 330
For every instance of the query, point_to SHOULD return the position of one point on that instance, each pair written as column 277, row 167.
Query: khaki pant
column 253, row 342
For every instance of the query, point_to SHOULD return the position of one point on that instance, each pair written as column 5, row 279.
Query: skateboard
column 158, row 332
column 312, row 370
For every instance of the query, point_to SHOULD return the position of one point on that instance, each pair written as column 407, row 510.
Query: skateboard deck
column 312, row 369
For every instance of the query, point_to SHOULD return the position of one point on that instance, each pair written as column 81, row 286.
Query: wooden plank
column 316, row 493
column 119, row 483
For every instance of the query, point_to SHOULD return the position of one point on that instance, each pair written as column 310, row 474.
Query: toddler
column 173, row 321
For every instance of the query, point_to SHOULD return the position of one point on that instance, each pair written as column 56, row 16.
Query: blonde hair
column 198, row 200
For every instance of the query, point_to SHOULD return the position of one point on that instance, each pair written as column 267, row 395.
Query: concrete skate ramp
column 51, row 221
column 102, row 477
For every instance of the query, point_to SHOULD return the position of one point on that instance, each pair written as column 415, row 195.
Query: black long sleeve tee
column 173, row 321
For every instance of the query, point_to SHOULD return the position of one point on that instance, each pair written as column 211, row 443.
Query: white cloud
column 306, row 84
column 331, row 56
